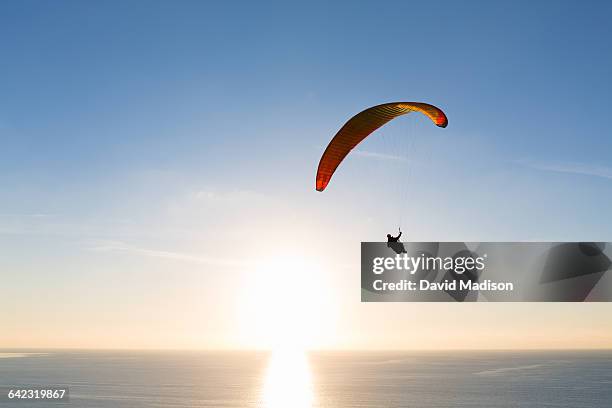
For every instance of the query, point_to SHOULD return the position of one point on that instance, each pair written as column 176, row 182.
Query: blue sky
column 138, row 131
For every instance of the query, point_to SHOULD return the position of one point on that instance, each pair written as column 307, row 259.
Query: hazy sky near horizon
column 157, row 156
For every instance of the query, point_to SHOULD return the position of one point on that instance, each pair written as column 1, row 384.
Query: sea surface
column 292, row 379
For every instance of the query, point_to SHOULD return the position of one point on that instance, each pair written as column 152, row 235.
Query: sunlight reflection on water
column 288, row 381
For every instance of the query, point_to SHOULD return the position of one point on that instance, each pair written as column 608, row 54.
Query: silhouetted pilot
column 391, row 238
column 394, row 244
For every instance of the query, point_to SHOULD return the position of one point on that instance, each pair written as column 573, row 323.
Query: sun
column 286, row 303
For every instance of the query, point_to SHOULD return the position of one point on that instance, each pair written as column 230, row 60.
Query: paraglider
column 395, row 244
column 361, row 126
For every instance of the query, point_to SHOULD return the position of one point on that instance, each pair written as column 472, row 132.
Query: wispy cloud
column 26, row 215
column 570, row 168
column 228, row 196
column 380, row 156
column 122, row 247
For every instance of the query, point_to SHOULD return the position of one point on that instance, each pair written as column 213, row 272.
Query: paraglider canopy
column 361, row 126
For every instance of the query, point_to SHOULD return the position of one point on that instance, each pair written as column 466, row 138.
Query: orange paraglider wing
column 361, row 126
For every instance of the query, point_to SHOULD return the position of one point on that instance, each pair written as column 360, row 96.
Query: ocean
column 286, row 379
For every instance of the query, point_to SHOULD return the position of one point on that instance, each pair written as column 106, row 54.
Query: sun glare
column 287, row 304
